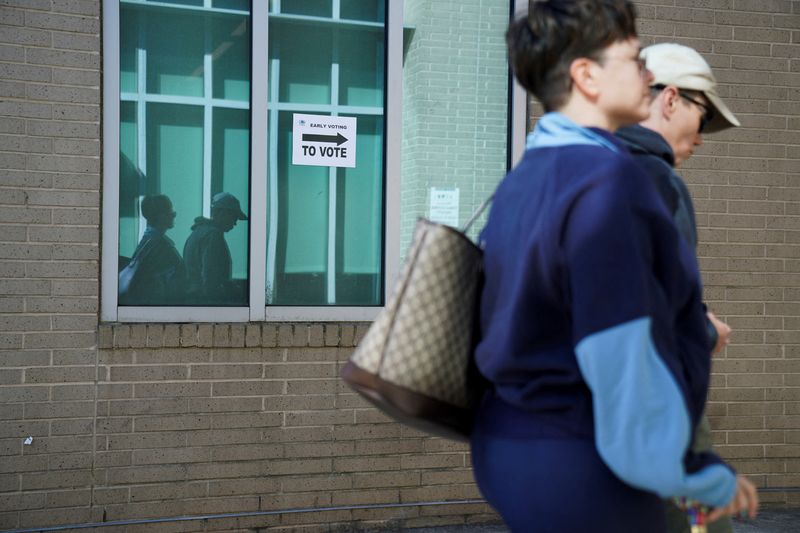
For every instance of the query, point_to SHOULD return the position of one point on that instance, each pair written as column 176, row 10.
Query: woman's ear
column 583, row 72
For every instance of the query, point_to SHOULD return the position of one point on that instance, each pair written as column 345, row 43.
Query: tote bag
column 416, row 362
column 131, row 277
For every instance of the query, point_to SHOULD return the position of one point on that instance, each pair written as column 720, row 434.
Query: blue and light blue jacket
column 591, row 314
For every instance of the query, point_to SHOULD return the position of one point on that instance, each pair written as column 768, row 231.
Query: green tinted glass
column 230, row 164
column 184, row 153
column 175, row 48
column 230, row 58
column 129, row 34
column 316, row 8
column 238, row 5
column 361, row 58
column 367, row 10
column 359, row 201
column 131, row 181
column 304, row 72
column 325, row 221
column 175, row 161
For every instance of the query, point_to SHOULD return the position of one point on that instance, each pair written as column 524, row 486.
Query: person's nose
column 698, row 139
column 648, row 76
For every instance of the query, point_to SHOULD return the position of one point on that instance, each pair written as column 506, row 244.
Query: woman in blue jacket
column 593, row 331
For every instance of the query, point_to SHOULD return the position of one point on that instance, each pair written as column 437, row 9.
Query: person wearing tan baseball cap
column 209, row 266
column 685, row 106
column 684, row 68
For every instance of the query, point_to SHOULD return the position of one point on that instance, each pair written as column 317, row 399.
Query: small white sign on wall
column 444, row 206
column 323, row 140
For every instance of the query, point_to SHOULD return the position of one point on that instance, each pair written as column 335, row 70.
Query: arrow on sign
column 338, row 138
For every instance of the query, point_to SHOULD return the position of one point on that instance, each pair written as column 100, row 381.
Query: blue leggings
column 559, row 485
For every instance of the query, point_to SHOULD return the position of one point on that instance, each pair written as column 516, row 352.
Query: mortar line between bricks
column 242, row 515
column 94, row 421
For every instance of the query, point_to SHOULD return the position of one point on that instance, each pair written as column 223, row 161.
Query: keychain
column 696, row 513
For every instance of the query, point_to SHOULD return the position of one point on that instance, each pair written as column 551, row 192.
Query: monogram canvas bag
column 416, row 362
column 131, row 277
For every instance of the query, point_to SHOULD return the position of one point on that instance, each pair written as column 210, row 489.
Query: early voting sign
column 323, row 140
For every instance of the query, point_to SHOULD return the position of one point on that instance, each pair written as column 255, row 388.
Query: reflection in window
column 184, row 137
column 455, row 108
column 325, row 224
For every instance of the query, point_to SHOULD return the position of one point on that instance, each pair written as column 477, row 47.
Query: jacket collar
column 641, row 140
column 556, row 129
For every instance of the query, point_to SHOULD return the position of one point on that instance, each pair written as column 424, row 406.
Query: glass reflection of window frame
column 141, row 97
column 145, row 95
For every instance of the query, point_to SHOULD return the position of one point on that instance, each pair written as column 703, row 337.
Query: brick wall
column 217, row 418
column 49, row 234
column 137, row 421
column 746, row 186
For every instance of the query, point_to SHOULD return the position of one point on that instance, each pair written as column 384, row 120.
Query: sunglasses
column 708, row 110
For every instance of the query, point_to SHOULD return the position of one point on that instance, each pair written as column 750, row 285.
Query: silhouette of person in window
column 208, row 258
column 155, row 274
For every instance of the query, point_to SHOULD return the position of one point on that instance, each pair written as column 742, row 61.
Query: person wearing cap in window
column 685, row 106
column 207, row 256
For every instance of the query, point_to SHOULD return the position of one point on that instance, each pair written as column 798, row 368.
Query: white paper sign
column 444, row 206
column 323, row 141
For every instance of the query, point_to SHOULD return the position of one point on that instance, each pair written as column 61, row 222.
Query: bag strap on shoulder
column 141, row 253
column 476, row 214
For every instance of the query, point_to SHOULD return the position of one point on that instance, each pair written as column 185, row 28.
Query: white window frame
column 257, row 310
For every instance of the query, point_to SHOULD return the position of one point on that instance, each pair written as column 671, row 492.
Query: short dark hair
column 542, row 46
column 155, row 205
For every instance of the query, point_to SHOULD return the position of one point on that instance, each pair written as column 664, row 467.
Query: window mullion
column 111, row 122
column 518, row 104
column 208, row 119
column 331, row 281
column 333, row 171
column 274, row 114
column 393, row 125
column 259, row 138
column 141, row 117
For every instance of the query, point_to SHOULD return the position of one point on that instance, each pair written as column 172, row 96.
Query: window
column 325, row 223
column 254, row 167
column 184, row 135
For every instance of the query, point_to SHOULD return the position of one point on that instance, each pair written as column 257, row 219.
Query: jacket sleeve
column 214, row 257
column 622, row 295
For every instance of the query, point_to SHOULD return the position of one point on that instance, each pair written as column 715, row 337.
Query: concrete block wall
column 746, row 183
column 198, row 419
column 49, row 233
column 133, row 421
column 225, row 418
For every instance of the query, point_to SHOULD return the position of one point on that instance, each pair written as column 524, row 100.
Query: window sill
column 221, row 335
column 133, row 314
